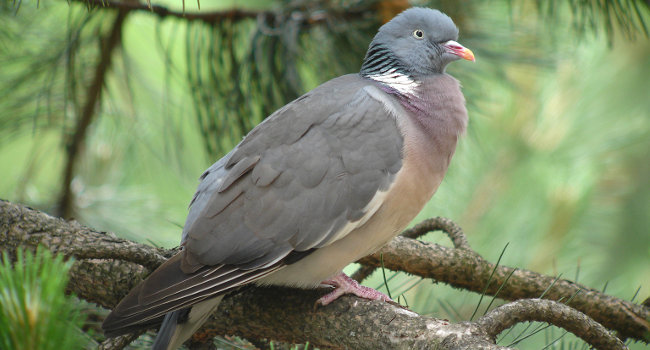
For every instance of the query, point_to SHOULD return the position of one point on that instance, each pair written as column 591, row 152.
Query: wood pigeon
column 322, row 182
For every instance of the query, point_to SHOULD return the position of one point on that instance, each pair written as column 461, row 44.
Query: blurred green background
column 556, row 161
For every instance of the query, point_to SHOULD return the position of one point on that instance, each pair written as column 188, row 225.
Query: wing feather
column 310, row 169
column 146, row 308
column 303, row 178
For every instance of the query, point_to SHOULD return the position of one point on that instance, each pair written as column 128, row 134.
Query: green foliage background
column 34, row 312
column 556, row 162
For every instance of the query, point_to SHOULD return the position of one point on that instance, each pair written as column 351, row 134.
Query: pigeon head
column 416, row 43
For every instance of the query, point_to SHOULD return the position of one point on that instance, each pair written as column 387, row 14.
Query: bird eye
column 418, row 34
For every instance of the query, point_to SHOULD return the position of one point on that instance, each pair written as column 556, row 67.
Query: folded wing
column 294, row 184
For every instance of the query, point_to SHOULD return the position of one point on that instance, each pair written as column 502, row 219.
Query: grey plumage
column 325, row 180
column 317, row 163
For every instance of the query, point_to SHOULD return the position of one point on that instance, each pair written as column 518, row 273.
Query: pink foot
column 346, row 285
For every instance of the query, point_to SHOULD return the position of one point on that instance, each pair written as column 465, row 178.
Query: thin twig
column 75, row 143
column 217, row 16
column 557, row 314
column 453, row 231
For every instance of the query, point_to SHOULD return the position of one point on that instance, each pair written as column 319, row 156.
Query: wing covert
column 296, row 180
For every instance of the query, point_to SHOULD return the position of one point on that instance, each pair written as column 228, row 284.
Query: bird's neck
column 434, row 102
column 437, row 107
column 437, row 101
column 381, row 65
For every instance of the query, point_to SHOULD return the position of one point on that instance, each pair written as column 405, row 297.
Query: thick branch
column 25, row 227
column 119, row 342
column 352, row 323
column 75, row 143
column 281, row 314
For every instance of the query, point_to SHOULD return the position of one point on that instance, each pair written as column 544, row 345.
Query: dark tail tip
column 167, row 329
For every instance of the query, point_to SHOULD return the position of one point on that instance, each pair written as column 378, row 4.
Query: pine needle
column 489, row 281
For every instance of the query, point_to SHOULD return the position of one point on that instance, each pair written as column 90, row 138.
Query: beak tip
column 459, row 50
column 468, row 55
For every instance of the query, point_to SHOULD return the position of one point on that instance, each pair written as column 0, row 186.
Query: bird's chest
column 414, row 185
column 429, row 142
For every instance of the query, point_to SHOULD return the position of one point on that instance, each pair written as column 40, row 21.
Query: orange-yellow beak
column 459, row 50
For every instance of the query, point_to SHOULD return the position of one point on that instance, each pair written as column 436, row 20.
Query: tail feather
column 167, row 329
column 178, row 326
column 181, row 301
column 168, row 289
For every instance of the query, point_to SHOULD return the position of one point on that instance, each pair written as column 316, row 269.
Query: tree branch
column 119, row 342
column 282, row 314
column 508, row 315
column 218, row 16
column 162, row 11
column 464, row 268
column 445, row 225
column 74, row 144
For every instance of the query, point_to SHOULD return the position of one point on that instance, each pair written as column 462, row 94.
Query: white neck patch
column 398, row 81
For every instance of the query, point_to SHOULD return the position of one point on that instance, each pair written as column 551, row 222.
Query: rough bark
column 464, row 268
column 107, row 267
column 506, row 316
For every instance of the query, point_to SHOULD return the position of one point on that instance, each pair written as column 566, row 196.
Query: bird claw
column 343, row 284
